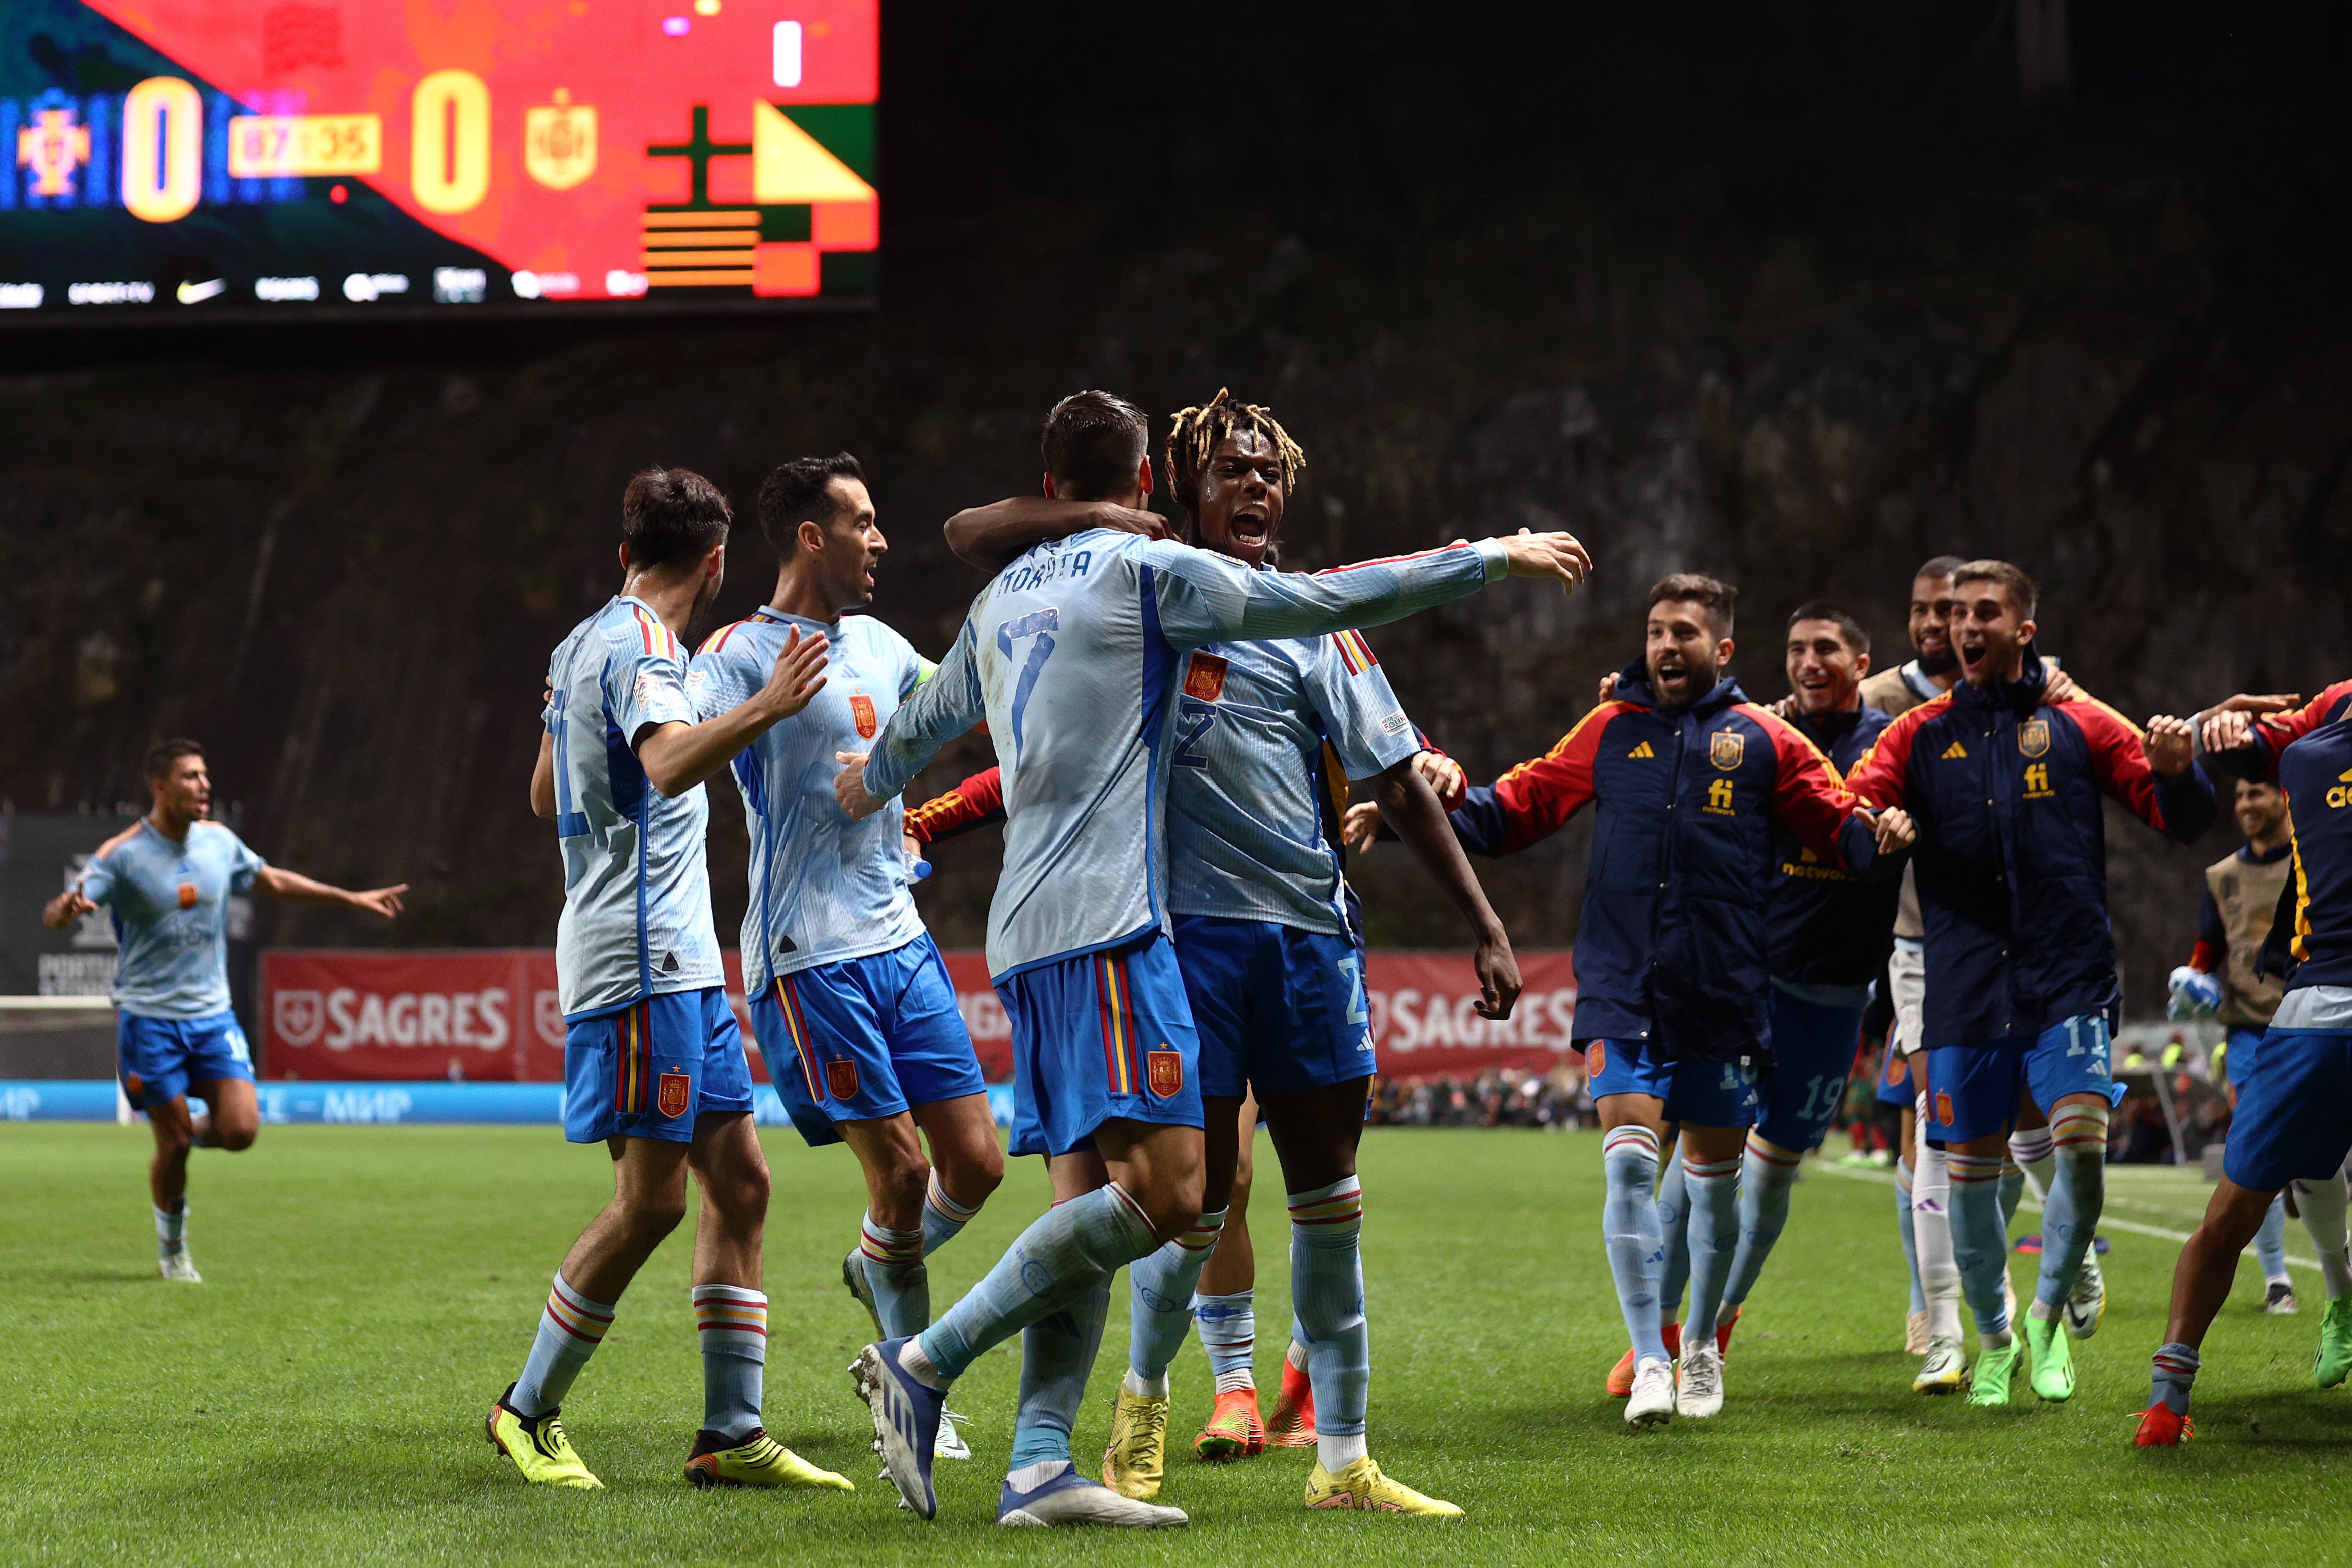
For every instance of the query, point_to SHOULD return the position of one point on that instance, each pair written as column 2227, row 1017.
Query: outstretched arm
column 992, row 537
column 975, row 803
column 678, row 756
column 941, row 708
column 296, row 889
column 1814, row 802
column 1412, row 809
column 2154, row 774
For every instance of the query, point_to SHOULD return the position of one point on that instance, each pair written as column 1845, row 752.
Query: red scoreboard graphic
column 267, row 153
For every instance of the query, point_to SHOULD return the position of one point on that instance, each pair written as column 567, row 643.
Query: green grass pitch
column 368, row 1290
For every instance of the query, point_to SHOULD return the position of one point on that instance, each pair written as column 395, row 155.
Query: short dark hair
column 2024, row 596
column 1940, row 566
column 672, row 515
column 799, row 492
column 163, row 753
column 1837, row 615
column 1720, row 597
column 1092, row 445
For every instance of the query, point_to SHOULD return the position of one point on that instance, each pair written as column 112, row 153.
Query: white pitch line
column 2107, row 1221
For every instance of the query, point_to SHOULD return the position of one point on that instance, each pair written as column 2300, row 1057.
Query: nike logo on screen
column 198, row 293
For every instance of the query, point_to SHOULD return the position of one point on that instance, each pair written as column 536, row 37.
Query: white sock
column 2322, row 1205
column 2032, row 1149
column 916, row 1365
column 172, row 1227
column 1029, row 1478
column 1144, row 1387
column 1335, row 1451
column 1931, row 1229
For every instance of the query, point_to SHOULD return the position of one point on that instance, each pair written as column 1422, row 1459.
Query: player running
column 2021, row 975
column 1269, row 949
column 1072, row 655
column 164, row 884
column 1691, row 780
column 850, row 999
column 2293, row 1121
column 653, row 1063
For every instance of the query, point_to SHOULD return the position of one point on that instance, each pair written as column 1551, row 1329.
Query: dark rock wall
column 1797, row 294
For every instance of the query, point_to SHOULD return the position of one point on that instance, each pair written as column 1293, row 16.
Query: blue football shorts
column 1100, row 1035
column 1703, row 1093
column 1277, row 1008
column 865, row 1038
column 1813, row 1045
column 2238, row 1061
column 1894, row 1085
column 650, row 1069
column 2294, row 1121
column 1972, row 1089
column 158, row 1059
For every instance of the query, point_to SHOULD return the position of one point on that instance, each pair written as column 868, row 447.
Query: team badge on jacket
column 861, row 708
column 1725, row 750
column 1204, row 678
column 1164, row 1068
column 2033, row 737
column 677, row 1093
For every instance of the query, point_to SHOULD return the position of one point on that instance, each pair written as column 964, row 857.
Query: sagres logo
column 547, row 1017
column 2037, row 782
column 299, row 1016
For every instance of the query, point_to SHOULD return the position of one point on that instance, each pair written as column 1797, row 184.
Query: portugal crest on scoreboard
column 559, row 141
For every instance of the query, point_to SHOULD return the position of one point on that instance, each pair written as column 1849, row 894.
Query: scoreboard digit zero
column 193, row 158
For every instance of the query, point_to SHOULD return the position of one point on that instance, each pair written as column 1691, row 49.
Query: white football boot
column 1651, row 1403
column 1699, row 1393
column 176, row 1265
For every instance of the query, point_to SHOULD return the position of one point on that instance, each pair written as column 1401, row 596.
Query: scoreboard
column 196, row 158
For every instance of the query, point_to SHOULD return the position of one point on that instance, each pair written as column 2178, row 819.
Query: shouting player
column 653, row 1062
column 2021, row 973
column 1071, row 655
column 851, row 1002
column 1268, row 949
column 1674, row 1006
column 165, row 884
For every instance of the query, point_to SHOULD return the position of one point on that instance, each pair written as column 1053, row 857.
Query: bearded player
column 653, row 1062
column 165, row 885
column 1071, row 655
column 1269, row 947
column 2021, row 977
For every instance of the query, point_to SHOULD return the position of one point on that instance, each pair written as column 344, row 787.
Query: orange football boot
column 1236, row 1430
column 2160, row 1428
column 1621, row 1376
column 1293, row 1422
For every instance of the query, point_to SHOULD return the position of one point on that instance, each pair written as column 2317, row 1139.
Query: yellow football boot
column 1139, row 1442
column 537, row 1446
column 1361, row 1486
column 758, row 1460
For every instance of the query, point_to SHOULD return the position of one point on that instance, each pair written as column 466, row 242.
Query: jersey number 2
column 1197, row 717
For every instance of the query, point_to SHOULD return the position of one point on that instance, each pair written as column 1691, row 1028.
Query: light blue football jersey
column 169, row 903
column 637, row 885
column 1252, row 807
column 824, row 889
column 1071, row 655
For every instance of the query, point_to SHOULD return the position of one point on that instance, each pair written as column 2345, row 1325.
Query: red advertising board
column 493, row 1014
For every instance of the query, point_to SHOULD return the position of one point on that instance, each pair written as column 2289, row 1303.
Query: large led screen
column 183, row 159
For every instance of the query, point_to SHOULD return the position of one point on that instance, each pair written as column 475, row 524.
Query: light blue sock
column 2175, row 1376
column 1714, row 1231
column 893, row 1264
column 2013, row 1189
column 1327, row 1288
column 1159, row 1300
column 1057, row 1353
column 2270, row 1240
column 731, row 1323
column 570, row 1327
column 1629, row 1225
column 1228, row 1326
column 1980, row 1240
column 1674, row 1232
column 1767, row 1176
column 1910, row 1237
column 943, row 1217
column 2077, row 1193
column 1070, row 1249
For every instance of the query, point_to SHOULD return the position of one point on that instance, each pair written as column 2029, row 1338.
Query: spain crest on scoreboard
column 1724, row 748
column 2033, row 737
column 559, row 141
column 861, row 708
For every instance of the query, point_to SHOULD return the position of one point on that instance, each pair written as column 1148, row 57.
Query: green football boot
column 2053, row 1362
column 1993, row 1371
column 2334, row 1360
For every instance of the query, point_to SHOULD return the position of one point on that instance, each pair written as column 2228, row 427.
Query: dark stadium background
column 1800, row 293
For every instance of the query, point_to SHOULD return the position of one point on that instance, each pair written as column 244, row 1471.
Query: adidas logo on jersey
column 1955, row 751
column 1642, row 751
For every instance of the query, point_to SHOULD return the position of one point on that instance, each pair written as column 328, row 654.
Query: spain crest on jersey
column 1725, row 749
column 1204, row 678
column 1163, row 1069
column 2033, row 737
column 675, row 1094
column 841, row 1078
column 861, row 708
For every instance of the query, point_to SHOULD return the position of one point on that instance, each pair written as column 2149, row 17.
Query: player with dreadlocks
column 1263, row 734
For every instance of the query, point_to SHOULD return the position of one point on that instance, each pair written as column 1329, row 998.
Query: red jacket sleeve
column 1883, row 777
column 1808, row 797
column 2276, row 732
column 2172, row 807
column 1535, row 799
column 975, row 803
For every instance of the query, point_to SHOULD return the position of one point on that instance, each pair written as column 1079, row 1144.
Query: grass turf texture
column 369, row 1290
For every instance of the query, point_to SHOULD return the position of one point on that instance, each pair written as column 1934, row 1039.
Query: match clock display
column 219, row 157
